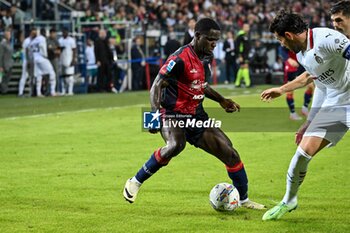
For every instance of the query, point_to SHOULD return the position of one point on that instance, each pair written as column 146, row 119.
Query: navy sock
column 307, row 98
column 148, row 169
column 239, row 180
column 290, row 102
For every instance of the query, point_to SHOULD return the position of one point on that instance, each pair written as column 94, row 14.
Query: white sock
column 38, row 84
column 63, row 86
column 70, row 81
column 22, row 82
column 52, row 83
column 296, row 174
column 135, row 180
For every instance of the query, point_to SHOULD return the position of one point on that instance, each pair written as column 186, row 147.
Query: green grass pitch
column 64, row 162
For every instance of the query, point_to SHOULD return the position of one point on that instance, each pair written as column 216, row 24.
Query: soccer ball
column 224, row 197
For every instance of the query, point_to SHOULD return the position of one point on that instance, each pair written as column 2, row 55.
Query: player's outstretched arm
column 301, row 81
column 227, row 104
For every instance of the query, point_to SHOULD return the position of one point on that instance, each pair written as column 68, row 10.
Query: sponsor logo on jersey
column 342, row 45
column 197, row 85
column 193, row 71
column 171, row 65
column 336, row 41
column 198, row 97
column 326, row 77
column 318, row 59
column 328, row 35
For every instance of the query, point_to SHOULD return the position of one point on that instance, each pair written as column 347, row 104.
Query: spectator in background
column 171, row 45
column 2, row 16
column 278, row 65
column 91, row 65
column 53, row 50
column 67, row 61
column 138, row 65
column 7, row 18
column 6, row 61
column 189, row 34
column 91, row 31
column 116, row 48
column 230, row 57
column 25, row 72
column 258, row 61
column 242, row 45
column 104, row 59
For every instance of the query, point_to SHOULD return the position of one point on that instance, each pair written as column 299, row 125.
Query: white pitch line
column 72, row 112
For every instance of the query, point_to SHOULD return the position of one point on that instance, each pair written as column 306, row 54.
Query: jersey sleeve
column 172, row 68
column 339, row 45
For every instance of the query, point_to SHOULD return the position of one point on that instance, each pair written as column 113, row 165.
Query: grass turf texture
column 64, row 170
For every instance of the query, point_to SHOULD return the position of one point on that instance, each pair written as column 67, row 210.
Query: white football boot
column 252, row 205
column 295, row 117
column 131, row 189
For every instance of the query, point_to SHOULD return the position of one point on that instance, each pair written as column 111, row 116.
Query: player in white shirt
column 325, row 55
column 340, row 16
column 24, row 76
column 37, row 55
column 67, row 61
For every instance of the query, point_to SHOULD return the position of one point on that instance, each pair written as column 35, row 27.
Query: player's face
column 33, row 33
column 207, row 42
column 7, row 35
column 341, row 23
column 288, row 43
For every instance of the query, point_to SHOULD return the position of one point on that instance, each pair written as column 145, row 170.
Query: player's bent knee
column 232, row 158
column 312, row 145
column 172, row 149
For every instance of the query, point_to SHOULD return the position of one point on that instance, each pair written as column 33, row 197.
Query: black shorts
column 193, row 134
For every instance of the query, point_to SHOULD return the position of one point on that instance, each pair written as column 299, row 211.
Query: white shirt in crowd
column 90, row 57
column 68, row 44
column 38, row 48
column 25, row 45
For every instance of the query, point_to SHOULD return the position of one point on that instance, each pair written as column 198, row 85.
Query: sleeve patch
column 171, row 65
column 346, row 53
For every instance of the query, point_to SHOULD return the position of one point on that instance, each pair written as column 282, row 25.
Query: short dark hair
column 205, row 25
column 287, row 21
column 52, row 30
column 341, row 7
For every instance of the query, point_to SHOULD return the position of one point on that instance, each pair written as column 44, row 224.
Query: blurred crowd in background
column 124, row 27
